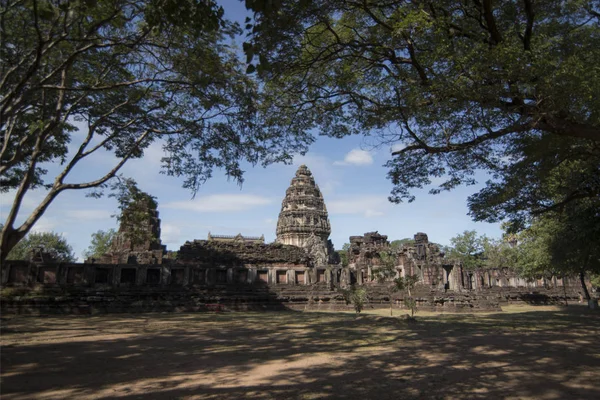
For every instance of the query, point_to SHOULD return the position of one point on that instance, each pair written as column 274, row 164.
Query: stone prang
column 303, row 213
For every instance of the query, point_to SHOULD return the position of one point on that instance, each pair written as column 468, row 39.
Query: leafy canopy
column 100, row 244
column 467, row 247
column 562, row 243
column 509, row 87
column 83, row 77
column 49, row 242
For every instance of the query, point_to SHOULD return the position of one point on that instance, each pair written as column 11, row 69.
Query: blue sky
column 350, row 176
column 348, row 171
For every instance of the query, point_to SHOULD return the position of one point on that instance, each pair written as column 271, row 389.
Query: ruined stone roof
column 215, row 252
column 303, row 209
column 236, row 238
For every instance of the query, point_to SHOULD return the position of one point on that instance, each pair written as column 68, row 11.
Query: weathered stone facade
column 303, row 212
column 300, row 270
column 139, row 244
column 423, row 259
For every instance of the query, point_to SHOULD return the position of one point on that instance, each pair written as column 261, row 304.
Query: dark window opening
column 200, row 276
column 263, row 276
column 102, row 275
column 18, row 274
column 47, row 275
column 153, row 276
column 242, row 275
column 221, row 276
column 321, row 275
column 75, row 275
column 177, row 276
column 281, row 276
column 128, row 276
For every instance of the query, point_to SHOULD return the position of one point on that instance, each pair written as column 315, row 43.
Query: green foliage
column 411, row 304
column 595, row 279
column 386, row 272
column 497, row 253
column 343, row 257
column 509, row 87
column 135, row 206
column 51, row 242
column 344, row 254
column 468, row 249
column 127, row 74
column 101, row 243
column 398, row 244
column 561, row 243
column 387, row 268
column 355, row 295
column 406, row 283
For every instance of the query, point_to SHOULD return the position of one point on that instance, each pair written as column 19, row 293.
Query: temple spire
column 303, row 212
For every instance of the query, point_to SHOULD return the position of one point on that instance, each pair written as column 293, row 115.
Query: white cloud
column 45, row 224
column 369, row 206
column 170, row 234
column 373, row 213
column 356, row 157
column 30, row 201
column 221, row 202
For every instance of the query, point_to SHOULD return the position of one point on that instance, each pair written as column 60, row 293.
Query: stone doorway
column 447, row 281
column 263, row 276
column 321, row 275
column 281, row 276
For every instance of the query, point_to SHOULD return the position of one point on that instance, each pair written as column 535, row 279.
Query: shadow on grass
column 537, row 354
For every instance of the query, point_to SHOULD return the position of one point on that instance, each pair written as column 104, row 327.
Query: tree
column 386, row 273
column 456, row 86
column 82, row 77
column 101, row 243
column 344, row 254
column 563, row 243
column 135, row 206
column 467, row 248
column 407, row 283
column 397, row 244
column 497, row 253
column 49, row 242
column 355, row 295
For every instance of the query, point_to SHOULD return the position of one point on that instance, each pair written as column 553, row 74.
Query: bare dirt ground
column 522, row 353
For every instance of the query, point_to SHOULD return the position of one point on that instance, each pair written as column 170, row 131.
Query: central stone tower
column 303, row 217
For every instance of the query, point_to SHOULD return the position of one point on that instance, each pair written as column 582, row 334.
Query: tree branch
column 451, row 147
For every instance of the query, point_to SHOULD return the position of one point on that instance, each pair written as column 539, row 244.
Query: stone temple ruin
column 299, row 270
column 145, row 249
column 303, row 220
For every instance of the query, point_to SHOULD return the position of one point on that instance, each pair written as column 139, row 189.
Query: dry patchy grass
column 523, row 353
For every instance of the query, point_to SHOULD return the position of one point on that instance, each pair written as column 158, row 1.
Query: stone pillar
column 140, row 276
column 251, row 275
column 165, row 275
column 271, row 276
column 187, row 275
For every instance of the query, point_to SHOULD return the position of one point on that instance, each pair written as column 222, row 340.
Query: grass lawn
column 522, row 353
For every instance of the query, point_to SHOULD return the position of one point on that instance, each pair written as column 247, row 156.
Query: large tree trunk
column 592, row 303
column 584, row 287
column 9, row 238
